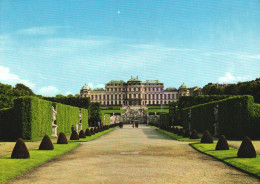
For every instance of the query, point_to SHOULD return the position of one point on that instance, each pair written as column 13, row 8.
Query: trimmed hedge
column 31, row 117
column 165, row 120
column 237, row 116
column 107, row 119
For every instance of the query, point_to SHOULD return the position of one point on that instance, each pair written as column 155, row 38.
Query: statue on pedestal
column 216, row 124
column 80, row 118
column 54, row 126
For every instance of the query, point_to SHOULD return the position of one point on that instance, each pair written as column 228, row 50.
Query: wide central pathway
column 130, row 155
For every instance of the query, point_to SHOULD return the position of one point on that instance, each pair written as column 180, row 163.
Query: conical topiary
column 222, row 143
column 186, row 133
column 99, row 129
column 20, row 150
column 95, row 130
column 87, row 132
column 46, row 144
column 246, row 149
column 206, row 138
column 92, row 131
column 82, row 134
column 194, row 134
column 62, row 139
column 74, row 136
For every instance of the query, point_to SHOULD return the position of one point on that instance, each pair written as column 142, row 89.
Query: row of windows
column 146, row 96
column 153, row 102
column 133, row 89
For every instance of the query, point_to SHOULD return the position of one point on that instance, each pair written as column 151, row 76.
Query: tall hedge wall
column 107, row 119
column 237, row 117
column 31, row 117
column 165, row 120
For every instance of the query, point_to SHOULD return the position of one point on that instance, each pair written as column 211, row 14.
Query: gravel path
column 130, row 155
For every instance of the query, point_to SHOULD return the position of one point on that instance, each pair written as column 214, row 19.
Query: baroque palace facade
column 136, row 92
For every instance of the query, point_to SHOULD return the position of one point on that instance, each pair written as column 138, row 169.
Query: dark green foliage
column 176, row 130
column 194, row 134
column 87, row 132
column 164, row 120
column 96, row 130
column 222, row 143
column 20, row 150
column 92, row 131
column 206, row 138
column 174, row 113
column 94, row 113
column 180, row 132
column 74, row 135
column 82, row 134
column 22, row 87
column 241, row 88
column 72, row 101
column 46, row 144
column 186, row 133
column 121, row 125
column 62, row 139
column 237, row 117
column 246, row 149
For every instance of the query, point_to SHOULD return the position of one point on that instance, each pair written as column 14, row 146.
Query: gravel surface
column 130, row 155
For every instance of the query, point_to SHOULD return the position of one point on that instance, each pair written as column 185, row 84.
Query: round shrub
column 246, row 149
column 46, row 144
column 74, row 136
column 82, row 134
column 194, row 134
column 186, row 133
column 99, row 129
column 96, row 130
column 206, row 138
column 20, row 150
column 87, row 132
column 222, row 143
column 62, row 139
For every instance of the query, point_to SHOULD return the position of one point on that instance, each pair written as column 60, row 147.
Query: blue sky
column 55, row 47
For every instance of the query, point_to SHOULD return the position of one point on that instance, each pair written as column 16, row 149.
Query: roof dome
column 183, row 86
column 85, row 87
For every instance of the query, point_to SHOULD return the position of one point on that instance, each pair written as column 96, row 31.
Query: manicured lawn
column 158, row 107
column 157, row 110
column 175, row 136
column 90, row 138
column 112, row 111
column 248, row 165
column 10, row 168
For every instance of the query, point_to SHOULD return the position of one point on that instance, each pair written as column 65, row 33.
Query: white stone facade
column 134, row 92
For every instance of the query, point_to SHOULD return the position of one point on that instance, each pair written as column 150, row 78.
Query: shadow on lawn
column 152, row 134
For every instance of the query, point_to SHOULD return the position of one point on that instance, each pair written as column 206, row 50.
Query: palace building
column 135, row 92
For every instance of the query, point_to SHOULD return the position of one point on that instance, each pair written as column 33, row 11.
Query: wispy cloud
column 7, row 77
column 44, row 30
column 49, row 91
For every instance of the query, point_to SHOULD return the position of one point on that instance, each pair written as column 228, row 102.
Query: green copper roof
column 85, row 87
column 116, row 82
column 153, row 81
column 133, row 79
column 170, row 89
column 183, row 86
column 98, row 89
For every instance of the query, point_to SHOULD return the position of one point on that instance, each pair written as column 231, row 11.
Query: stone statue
column 80, row 116
column 216, row 124
column 54, row 114
column 77, row 127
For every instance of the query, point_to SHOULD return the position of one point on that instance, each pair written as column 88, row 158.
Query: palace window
column 115, row 97
column 157, row 96
column 164, row 96
column 115, row 89
column 153, row 96
column 104, row 97
column 169, row 96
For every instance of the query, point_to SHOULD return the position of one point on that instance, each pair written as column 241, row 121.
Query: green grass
column 90, row 138
column 111, row 111
column 10, row 168
column 157, row 110
column 175, row 136
column 158, row 107
column 248, row 165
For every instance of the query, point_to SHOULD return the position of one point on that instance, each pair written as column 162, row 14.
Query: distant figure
column 77, row 127
column 54, row 114
column 133, row 124
column 72, row 128
column 136, row 125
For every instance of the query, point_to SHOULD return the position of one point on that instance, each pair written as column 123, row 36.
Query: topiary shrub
column 246, row 149
column 96, row 130
column 194, row 134
column 20, row 150
column 46, row 144
column 99, row 129
column 82, row 134
column 186, row 133
column 222, row 143
column 62, row 139
column 92, row 131
column 206, row 138
column 87, row 132
column 74, row 136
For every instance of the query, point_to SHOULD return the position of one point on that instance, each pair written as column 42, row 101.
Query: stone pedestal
column 54, row 130
column 80, row 126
